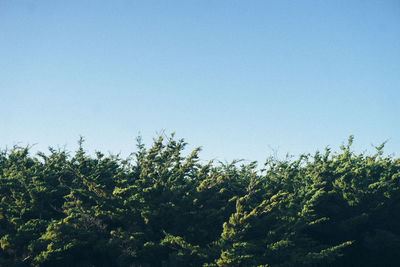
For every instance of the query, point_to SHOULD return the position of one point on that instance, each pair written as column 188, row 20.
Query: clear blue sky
column 239, row 78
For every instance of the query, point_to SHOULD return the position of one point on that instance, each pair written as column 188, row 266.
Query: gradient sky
column 242, row 79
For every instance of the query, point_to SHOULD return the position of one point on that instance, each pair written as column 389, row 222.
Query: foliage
column 160, row 208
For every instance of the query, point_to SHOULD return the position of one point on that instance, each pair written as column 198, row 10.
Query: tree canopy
column 161, row 207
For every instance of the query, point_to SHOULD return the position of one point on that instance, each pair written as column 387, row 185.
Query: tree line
column 161, row 207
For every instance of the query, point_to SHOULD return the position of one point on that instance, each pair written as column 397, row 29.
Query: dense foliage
column 160, row 208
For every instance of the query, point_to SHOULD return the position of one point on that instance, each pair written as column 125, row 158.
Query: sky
column 241, row 79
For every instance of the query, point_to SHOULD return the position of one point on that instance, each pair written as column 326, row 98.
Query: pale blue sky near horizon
column 241, row 79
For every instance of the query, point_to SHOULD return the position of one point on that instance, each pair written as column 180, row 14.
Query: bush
column 160, row 208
